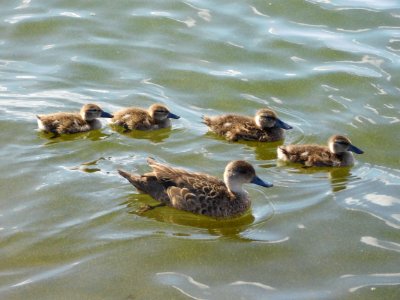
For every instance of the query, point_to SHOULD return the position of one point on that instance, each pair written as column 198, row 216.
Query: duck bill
column 173, row 116
column 257, row 180
column 283, row 125
column 355, row 149
column 106, row 115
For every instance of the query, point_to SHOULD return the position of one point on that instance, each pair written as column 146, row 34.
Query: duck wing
column 133, row 118
column 64, row 123
column 310, row 155
column 233, row 127
column 194, row 192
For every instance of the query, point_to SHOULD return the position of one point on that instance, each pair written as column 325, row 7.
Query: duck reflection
column 263, row 151
column 156, row 136
column 88, row 167
column 94, row 135
column 339, row 176
column 223, row 227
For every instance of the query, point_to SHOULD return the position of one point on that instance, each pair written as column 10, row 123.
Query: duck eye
column 241, row 171
column 341, row 143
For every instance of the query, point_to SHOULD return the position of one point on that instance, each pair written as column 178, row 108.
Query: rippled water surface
column 69, row 224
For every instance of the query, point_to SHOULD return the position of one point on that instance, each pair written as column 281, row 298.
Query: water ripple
column 325, row 66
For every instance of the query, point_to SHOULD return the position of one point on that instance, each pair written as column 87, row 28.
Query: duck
column 338, row 153
column 265, row 126
column 198, row 193
column 157, row 116
column 65, row 122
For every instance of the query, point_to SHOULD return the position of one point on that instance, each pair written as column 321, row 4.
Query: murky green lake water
column 68, row 225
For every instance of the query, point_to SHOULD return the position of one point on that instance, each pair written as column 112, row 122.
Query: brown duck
column 336, row 154
column 197, row 192
column 64, row 122
column 156, row 117
column 265, row 126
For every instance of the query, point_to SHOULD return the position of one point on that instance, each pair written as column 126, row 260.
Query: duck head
column 239, row 172
column 90, row 111
column 267, row 118
column 339, row 144
column 160, row 113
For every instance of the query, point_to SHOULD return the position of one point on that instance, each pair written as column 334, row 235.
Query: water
column 69, row 227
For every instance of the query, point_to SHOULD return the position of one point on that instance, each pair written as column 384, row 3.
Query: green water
column 69, row 227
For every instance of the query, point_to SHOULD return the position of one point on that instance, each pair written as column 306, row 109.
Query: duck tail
column 206, row 120
column 146, row 183
column 283, row 150
column 133, row 179
column 38, row 117
column 282, row 153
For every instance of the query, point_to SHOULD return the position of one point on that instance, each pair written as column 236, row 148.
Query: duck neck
column 94, row 124
column 162, row 123
column 234, row 186
column 346, row 158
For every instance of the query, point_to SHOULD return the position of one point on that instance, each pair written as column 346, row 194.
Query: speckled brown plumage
column 336, row 154
column 135, row 118
column 64, row 122
column 265, row 126
column 197, row 192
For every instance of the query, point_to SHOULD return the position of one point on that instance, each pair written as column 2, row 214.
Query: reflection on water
column 93, row 135
column 339, row 177
column 88, row 166
column 220, row 227
column 264, row 151
column 155, row 136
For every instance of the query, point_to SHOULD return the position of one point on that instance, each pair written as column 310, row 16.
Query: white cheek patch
column 258, row 121
column 40, row 125
column 281, row 155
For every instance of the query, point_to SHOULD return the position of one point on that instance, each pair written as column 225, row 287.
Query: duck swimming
column 197, row 192
column 156, row 117
column 265, row 126
column 64, row 122
column 336, row 154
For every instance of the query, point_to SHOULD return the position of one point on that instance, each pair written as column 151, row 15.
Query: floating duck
column 336, row 154
column 64, row 122
column 265, row 126
column 156, row 117
column 197, row 192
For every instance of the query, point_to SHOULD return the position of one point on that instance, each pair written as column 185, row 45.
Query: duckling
column 156, row 117
column 336, row 154
column 197, row 192
column 64, row 122
column 264, row 127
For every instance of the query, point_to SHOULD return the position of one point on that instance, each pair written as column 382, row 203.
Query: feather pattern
column 64, row 122
column 195, row 192
column 263, row 127
column 134, row 118
column 336, row 154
